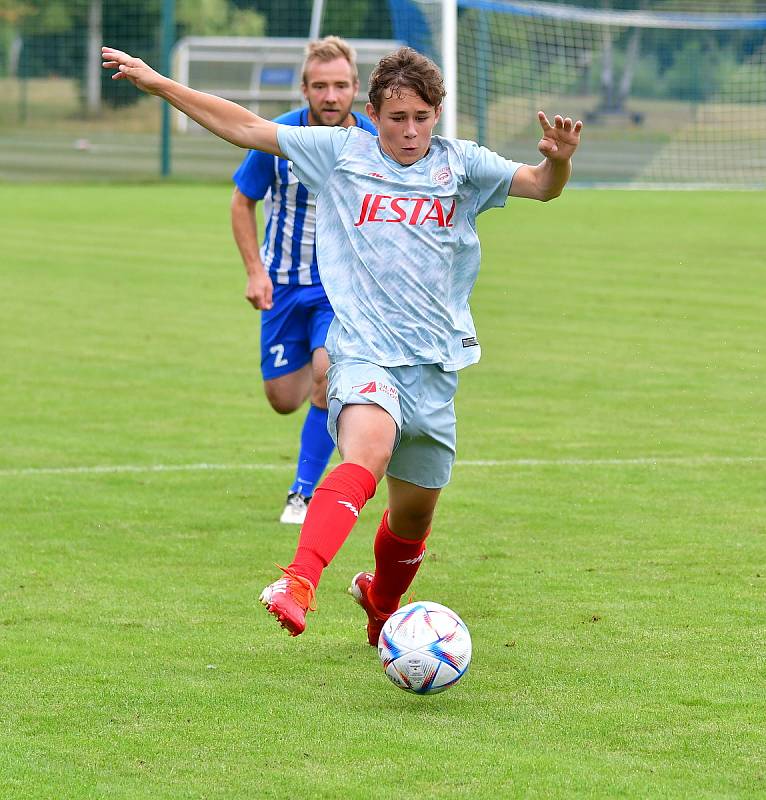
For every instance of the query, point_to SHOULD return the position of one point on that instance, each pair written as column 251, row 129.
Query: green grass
column 611, row 567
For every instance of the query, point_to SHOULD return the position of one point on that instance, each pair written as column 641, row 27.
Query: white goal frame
column 263, row 54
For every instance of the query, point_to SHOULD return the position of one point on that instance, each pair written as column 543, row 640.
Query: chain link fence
column 62, row 118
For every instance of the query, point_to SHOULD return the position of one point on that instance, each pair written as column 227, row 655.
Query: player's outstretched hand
column 133, row 69
column 559, row 140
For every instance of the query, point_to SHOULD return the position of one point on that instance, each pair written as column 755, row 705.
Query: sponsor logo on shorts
column 366, row 388
column 470, row 341
column 376, row 386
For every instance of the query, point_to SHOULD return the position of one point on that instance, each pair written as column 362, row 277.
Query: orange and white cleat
column 288, row 599
column 359, row 590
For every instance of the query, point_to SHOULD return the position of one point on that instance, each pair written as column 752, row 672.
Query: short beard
column 317, row 115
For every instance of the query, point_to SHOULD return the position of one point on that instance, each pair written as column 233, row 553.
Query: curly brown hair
column 405, row 68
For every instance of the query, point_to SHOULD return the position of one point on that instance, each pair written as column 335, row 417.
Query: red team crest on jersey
column 407, row 210
column 441, row 176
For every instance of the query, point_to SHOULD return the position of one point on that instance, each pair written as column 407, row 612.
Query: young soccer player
column 283, row 280
column 399, row 254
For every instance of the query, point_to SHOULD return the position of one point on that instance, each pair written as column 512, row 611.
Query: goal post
column 668, row 97
column 448, row 46
column 261, row 73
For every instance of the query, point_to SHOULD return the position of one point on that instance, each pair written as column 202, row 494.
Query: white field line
column 649, row 461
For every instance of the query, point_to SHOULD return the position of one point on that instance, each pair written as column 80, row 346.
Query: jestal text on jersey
column 409, row 210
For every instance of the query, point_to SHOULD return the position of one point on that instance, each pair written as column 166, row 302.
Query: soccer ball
column 424, row 648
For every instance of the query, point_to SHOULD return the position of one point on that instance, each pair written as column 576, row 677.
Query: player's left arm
column 547, row 179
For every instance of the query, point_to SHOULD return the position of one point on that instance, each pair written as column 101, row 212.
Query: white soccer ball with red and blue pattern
column 425, row 648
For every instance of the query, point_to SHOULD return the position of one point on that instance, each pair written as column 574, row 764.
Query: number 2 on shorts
column 278, row 351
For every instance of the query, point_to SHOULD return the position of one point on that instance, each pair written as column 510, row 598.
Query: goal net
column 669, row 97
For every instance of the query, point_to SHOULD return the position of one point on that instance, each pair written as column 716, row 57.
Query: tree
column 218, row 18
column 347, row 18
column 614, row 93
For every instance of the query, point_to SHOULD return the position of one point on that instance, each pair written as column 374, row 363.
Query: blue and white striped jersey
column 288, row 251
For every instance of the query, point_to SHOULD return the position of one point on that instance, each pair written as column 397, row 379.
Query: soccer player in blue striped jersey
column 282, row 275
column 399, row 254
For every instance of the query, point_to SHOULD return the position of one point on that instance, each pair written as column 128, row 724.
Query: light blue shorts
column 421, row 401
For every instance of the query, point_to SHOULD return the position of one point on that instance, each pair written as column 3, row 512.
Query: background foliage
column 44, row 37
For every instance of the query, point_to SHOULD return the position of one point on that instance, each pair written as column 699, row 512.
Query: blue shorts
column 421, row 401
column 293, row 328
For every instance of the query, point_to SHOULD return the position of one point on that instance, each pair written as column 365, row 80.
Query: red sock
column 333, row 510
column 397, row 561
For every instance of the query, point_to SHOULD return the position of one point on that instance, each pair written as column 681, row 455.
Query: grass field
column 604, row 536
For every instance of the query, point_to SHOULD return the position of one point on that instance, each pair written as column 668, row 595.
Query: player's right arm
column 547, row 180
column 244, row 227
column 222, row 117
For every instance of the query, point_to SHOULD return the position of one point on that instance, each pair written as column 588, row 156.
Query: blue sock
column 316, row 450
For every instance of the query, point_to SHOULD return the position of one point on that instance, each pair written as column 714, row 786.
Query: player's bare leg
column 366, row 436
column 410, row 508
column 288, row 393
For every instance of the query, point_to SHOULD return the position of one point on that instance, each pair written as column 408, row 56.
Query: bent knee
column 283, row 404
column 372, row 455
column 418, row 520
column 418, row 525
column 283, row 408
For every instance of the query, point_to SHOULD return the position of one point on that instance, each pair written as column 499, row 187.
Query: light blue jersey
column 397, row 246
